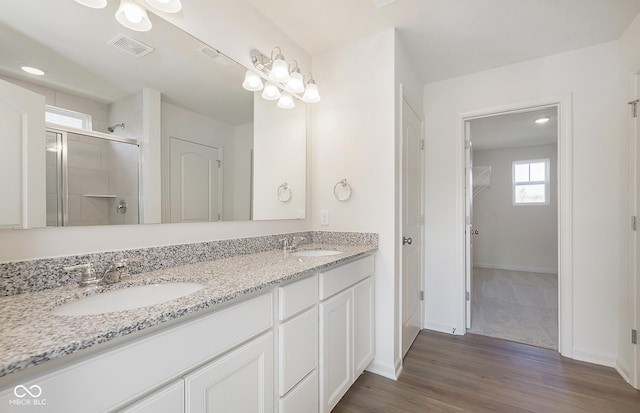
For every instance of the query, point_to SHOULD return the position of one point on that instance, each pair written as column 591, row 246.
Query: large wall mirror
column 149, row 127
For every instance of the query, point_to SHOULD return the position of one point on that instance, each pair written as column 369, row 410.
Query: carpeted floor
column 515, row 305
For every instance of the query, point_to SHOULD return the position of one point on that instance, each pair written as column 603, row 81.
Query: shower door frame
column 62, row 175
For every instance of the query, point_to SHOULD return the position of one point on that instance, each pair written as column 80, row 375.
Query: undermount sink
column 316, row 253
column 127, row 298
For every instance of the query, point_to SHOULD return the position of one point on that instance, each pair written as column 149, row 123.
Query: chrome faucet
column 113, row 274
column 291, row 245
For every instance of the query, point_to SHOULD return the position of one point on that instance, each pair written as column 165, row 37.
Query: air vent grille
column 131, row 46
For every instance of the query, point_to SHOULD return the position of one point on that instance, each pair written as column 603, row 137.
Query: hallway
column 471, row 373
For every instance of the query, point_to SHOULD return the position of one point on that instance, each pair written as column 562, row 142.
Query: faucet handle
column 87, row 271
column 285, row 243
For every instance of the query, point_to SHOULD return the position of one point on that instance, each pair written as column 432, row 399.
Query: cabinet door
column 298, row 344
column 363, row 326
column 167, row 400
column 240, row 382
column 336, row 365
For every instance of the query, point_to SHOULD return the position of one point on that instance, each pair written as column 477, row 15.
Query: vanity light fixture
column 133, row 16
column 542, row 120
column 271, row 91
column 167, row 6
column 311, row 94
column 94, row 4
column 288, row 80
column 286, row 101
column 296, row 82
column 279, row 68
column 252, row 81
column 32, row 70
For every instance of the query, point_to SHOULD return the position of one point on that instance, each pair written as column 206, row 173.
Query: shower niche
column 91, row 178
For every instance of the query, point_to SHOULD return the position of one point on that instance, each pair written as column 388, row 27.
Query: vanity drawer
column 297, row 296
column 303, row 398
column 298, row 349
column 336, row 280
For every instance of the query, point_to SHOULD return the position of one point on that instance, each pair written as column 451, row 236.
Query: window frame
column 85, row 118
column 545, row 182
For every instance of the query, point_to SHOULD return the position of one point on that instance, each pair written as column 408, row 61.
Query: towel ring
column 284, row 193
column 342, row 190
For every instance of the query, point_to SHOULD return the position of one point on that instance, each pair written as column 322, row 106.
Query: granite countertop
column 31, row 334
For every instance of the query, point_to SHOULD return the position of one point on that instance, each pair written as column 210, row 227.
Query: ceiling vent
column 131, row 46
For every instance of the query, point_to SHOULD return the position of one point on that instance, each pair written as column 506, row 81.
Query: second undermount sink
column 316, row 253
column 127, row 298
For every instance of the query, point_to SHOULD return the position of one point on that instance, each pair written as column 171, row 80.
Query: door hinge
column 219, row 162
column 219, row 217
column 421, row 220
column 634, row 223
column 422, row 144
column 634, row 108
column 467, row 296
column 634, row 336
column 421, row 295
column 467, row 144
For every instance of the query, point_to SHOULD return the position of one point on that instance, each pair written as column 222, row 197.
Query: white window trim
column 546, row 182
column 85, row 118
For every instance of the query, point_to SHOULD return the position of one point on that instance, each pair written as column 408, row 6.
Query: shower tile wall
column 100, row 168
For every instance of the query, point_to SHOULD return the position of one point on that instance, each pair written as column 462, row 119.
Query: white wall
column 355, row 132
column 280, row 147
column 234, row 28
column 592, row 76
column 243, row 172
column 515, row 237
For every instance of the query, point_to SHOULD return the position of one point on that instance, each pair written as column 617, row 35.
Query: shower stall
column 92, row 178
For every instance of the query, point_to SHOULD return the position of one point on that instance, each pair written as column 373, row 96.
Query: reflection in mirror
column 208, row 150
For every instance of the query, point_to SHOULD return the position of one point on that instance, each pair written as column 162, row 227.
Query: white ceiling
column 70, row 42
column 514, row 129
column 449, row 38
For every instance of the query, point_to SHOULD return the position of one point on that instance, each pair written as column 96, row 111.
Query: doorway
column 512, row 236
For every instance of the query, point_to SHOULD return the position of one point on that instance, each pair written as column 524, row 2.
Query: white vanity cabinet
column 346, row 328
column 170, row 399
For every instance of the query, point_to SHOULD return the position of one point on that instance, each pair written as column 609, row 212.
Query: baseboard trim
column 607, row 361
column 623, row 371
column 516, row 268
column 384, row 370
column 442, row 328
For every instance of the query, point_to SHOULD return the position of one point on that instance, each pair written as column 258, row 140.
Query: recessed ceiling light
column 542, row 120
column 32, row 70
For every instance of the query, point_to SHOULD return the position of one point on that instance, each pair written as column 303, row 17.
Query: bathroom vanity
column 268, row 332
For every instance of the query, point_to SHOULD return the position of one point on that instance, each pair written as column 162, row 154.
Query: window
column 531, row 182
column 66, row 117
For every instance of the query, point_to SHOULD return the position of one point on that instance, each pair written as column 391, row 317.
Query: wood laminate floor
column 471, row 373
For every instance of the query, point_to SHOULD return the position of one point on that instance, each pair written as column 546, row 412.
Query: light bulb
column 133, row 16
column 271, row 91
column 286, row 101
column 252, row 81
column 311, row 94
column 279, row 70
column 296, row 83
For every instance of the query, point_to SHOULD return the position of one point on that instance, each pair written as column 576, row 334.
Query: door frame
column 565, row 190
column 634, row 274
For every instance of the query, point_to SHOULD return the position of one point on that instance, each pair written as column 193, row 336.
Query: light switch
column 324, row 217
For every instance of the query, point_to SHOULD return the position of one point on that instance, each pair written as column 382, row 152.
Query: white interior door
column 22, row 158
column 412, row 217
column 635, row 295
column 468, row 233
column 195, row 189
